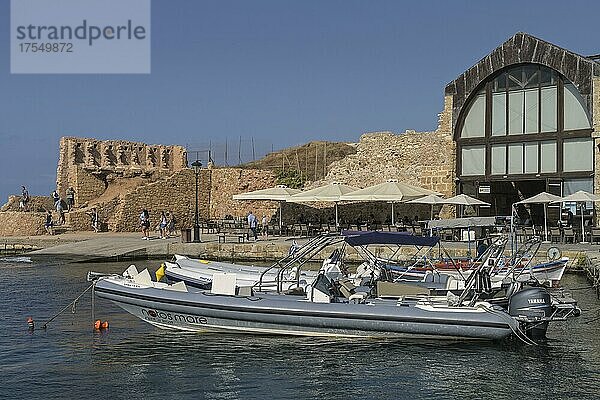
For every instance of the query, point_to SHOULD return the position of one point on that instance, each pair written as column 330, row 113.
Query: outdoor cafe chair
column 555, row 235
column 594, row 234
column 569, row 234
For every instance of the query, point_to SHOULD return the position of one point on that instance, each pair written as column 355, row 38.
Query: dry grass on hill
column 311, row 160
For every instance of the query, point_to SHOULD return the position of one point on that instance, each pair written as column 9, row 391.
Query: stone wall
column 17, row 223
column 86, row 163
column 36, row 203
column 226, row 182
column 425, row 159
column 173, row 194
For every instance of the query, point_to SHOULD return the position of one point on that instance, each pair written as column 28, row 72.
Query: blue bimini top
column 363, row 238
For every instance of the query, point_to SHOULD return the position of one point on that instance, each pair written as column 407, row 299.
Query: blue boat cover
column 362, row 238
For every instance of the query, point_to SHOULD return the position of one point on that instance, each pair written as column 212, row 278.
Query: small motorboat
column 428, row 270
column 199, row 273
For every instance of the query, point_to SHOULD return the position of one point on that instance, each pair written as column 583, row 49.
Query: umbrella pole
column 546, row 221
column 337, row 225
column 512, row 230
column 431, row 219
column 280, row 216
column 582, row 227
column 393, row 223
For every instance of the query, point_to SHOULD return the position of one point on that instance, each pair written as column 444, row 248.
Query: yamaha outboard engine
column 532, row 306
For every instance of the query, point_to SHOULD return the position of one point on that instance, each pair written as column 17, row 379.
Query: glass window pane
column 531, row 76
column 575, row 114
column 500, row 83
column 549, row 110
column 531, row 111
column 499, row 114
column 515, row 112
column 515, row 158
column 578, row 154
column 548, row 150
column 531, row 158
column 499, row 160
column 515, row 78
column 474, row 125
column 473, row 160
column 571, row 186
column 547, row 76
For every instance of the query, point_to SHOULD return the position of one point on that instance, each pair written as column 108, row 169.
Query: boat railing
column 483, row 265
column 527, row 251
column 294, row 261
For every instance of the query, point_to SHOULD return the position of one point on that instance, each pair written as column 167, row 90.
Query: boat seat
column 394, row 289
column 358, row 297
column 346, row 287
column 244, row 291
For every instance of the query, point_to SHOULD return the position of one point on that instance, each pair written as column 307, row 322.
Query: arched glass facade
column 526, row 123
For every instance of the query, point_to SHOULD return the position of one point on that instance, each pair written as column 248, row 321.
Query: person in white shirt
column 265, row 227
column 252, row 223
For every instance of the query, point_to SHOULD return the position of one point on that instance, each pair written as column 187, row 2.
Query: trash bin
column 186, row 235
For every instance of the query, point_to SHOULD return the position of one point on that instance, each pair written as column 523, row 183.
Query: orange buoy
column 104, row 325
column 97, row 324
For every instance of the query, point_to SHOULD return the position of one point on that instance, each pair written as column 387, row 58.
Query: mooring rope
column 72, row 304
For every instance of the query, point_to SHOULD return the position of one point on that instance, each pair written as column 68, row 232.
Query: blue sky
column 280, row 72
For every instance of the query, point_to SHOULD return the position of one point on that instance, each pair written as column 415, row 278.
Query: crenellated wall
column 86, row 164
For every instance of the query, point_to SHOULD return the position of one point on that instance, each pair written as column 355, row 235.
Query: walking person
column 252, row 223
column 172, row 222
column 48, row 224
column 24, row 199
column 163, row 225
column 94, row 219
column 145, row 224
column 55, row 197
column 61, row 213
column 70, row 198
column 265, row 227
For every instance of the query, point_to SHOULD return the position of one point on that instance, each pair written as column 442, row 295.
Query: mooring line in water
column 72, row 305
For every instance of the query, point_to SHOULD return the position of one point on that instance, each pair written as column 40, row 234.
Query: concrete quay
column 90, row 247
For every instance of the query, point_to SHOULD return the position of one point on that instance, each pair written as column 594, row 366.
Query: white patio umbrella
column 580, row 196
column 278, row 193
column 431, row 199
column 390, row 191
column 542, row 198
column 464, row 200
column 330, row 193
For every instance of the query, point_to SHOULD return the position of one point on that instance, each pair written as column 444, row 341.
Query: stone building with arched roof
column 525, row 119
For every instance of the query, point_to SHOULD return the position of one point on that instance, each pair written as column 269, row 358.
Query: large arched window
column 526, row 120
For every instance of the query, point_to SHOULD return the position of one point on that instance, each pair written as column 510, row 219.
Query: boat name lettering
column 167, row 316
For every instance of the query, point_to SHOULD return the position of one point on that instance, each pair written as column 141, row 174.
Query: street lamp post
column 196, row 165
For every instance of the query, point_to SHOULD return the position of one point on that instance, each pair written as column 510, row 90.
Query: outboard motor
column 532, row 306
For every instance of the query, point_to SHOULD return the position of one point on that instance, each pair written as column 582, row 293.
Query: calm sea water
column 134, row 360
